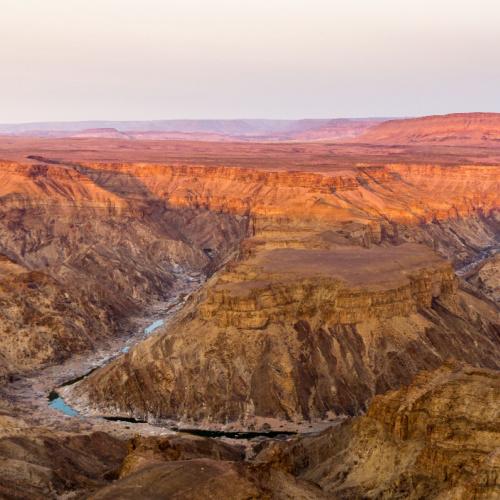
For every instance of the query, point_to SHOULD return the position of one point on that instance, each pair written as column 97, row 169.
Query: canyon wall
column 90, row 258
column 331, row 280
column 329, row 302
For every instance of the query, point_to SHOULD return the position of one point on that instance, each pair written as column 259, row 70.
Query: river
column 34, row 397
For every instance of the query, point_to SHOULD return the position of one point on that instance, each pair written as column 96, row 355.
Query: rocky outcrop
column 293, row 335
column 436, row 438
column 486, row 278
column 38, row 464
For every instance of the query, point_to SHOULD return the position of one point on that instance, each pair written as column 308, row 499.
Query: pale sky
column 154, row 59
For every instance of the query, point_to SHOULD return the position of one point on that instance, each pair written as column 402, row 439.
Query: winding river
column 35, row 397
column 39, row 393
column 57, row 402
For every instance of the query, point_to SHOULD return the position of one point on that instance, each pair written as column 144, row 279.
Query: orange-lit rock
column 478, row 129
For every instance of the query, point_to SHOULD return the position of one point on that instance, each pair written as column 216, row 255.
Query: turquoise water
column 56, row 402
column 153, row 326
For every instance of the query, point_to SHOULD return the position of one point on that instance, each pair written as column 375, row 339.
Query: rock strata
column 291, row 335
column 436, row 438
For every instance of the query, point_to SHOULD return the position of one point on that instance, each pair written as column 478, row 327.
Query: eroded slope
column 89, row 257
column 437, row 438
column 326, row 306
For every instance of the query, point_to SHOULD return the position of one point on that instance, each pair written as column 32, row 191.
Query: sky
column 165, row 59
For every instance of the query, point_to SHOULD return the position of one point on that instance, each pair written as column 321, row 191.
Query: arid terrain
column 329, row 293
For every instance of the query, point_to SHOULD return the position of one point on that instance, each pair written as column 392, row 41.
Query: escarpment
column 326, row 306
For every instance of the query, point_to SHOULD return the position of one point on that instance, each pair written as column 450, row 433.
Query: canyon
column 344, row 291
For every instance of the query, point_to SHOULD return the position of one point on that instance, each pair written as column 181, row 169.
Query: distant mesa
column 104, row 133
column 201, row 130
column 475, row 129
column 459, row 129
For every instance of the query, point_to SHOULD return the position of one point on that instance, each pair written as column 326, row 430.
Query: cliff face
column 88, row 258
column 436, row 438
column 424, row 192
column 305, row 307
column 325, row 306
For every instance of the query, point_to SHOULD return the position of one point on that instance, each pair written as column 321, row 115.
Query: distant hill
column 206, row 130
column 474, row 129
column 337, row 129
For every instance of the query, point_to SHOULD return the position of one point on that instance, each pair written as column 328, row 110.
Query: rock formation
column 436, row 438
column 38, row 463
column 486, row 278
column 288, row 336
column 80, row 259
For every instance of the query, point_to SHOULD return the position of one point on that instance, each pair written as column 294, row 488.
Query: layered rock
column 332, row 297
column 437, row 438
column 289, row 335
column 262, row 325
column 88, row 258
column 123, row 229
